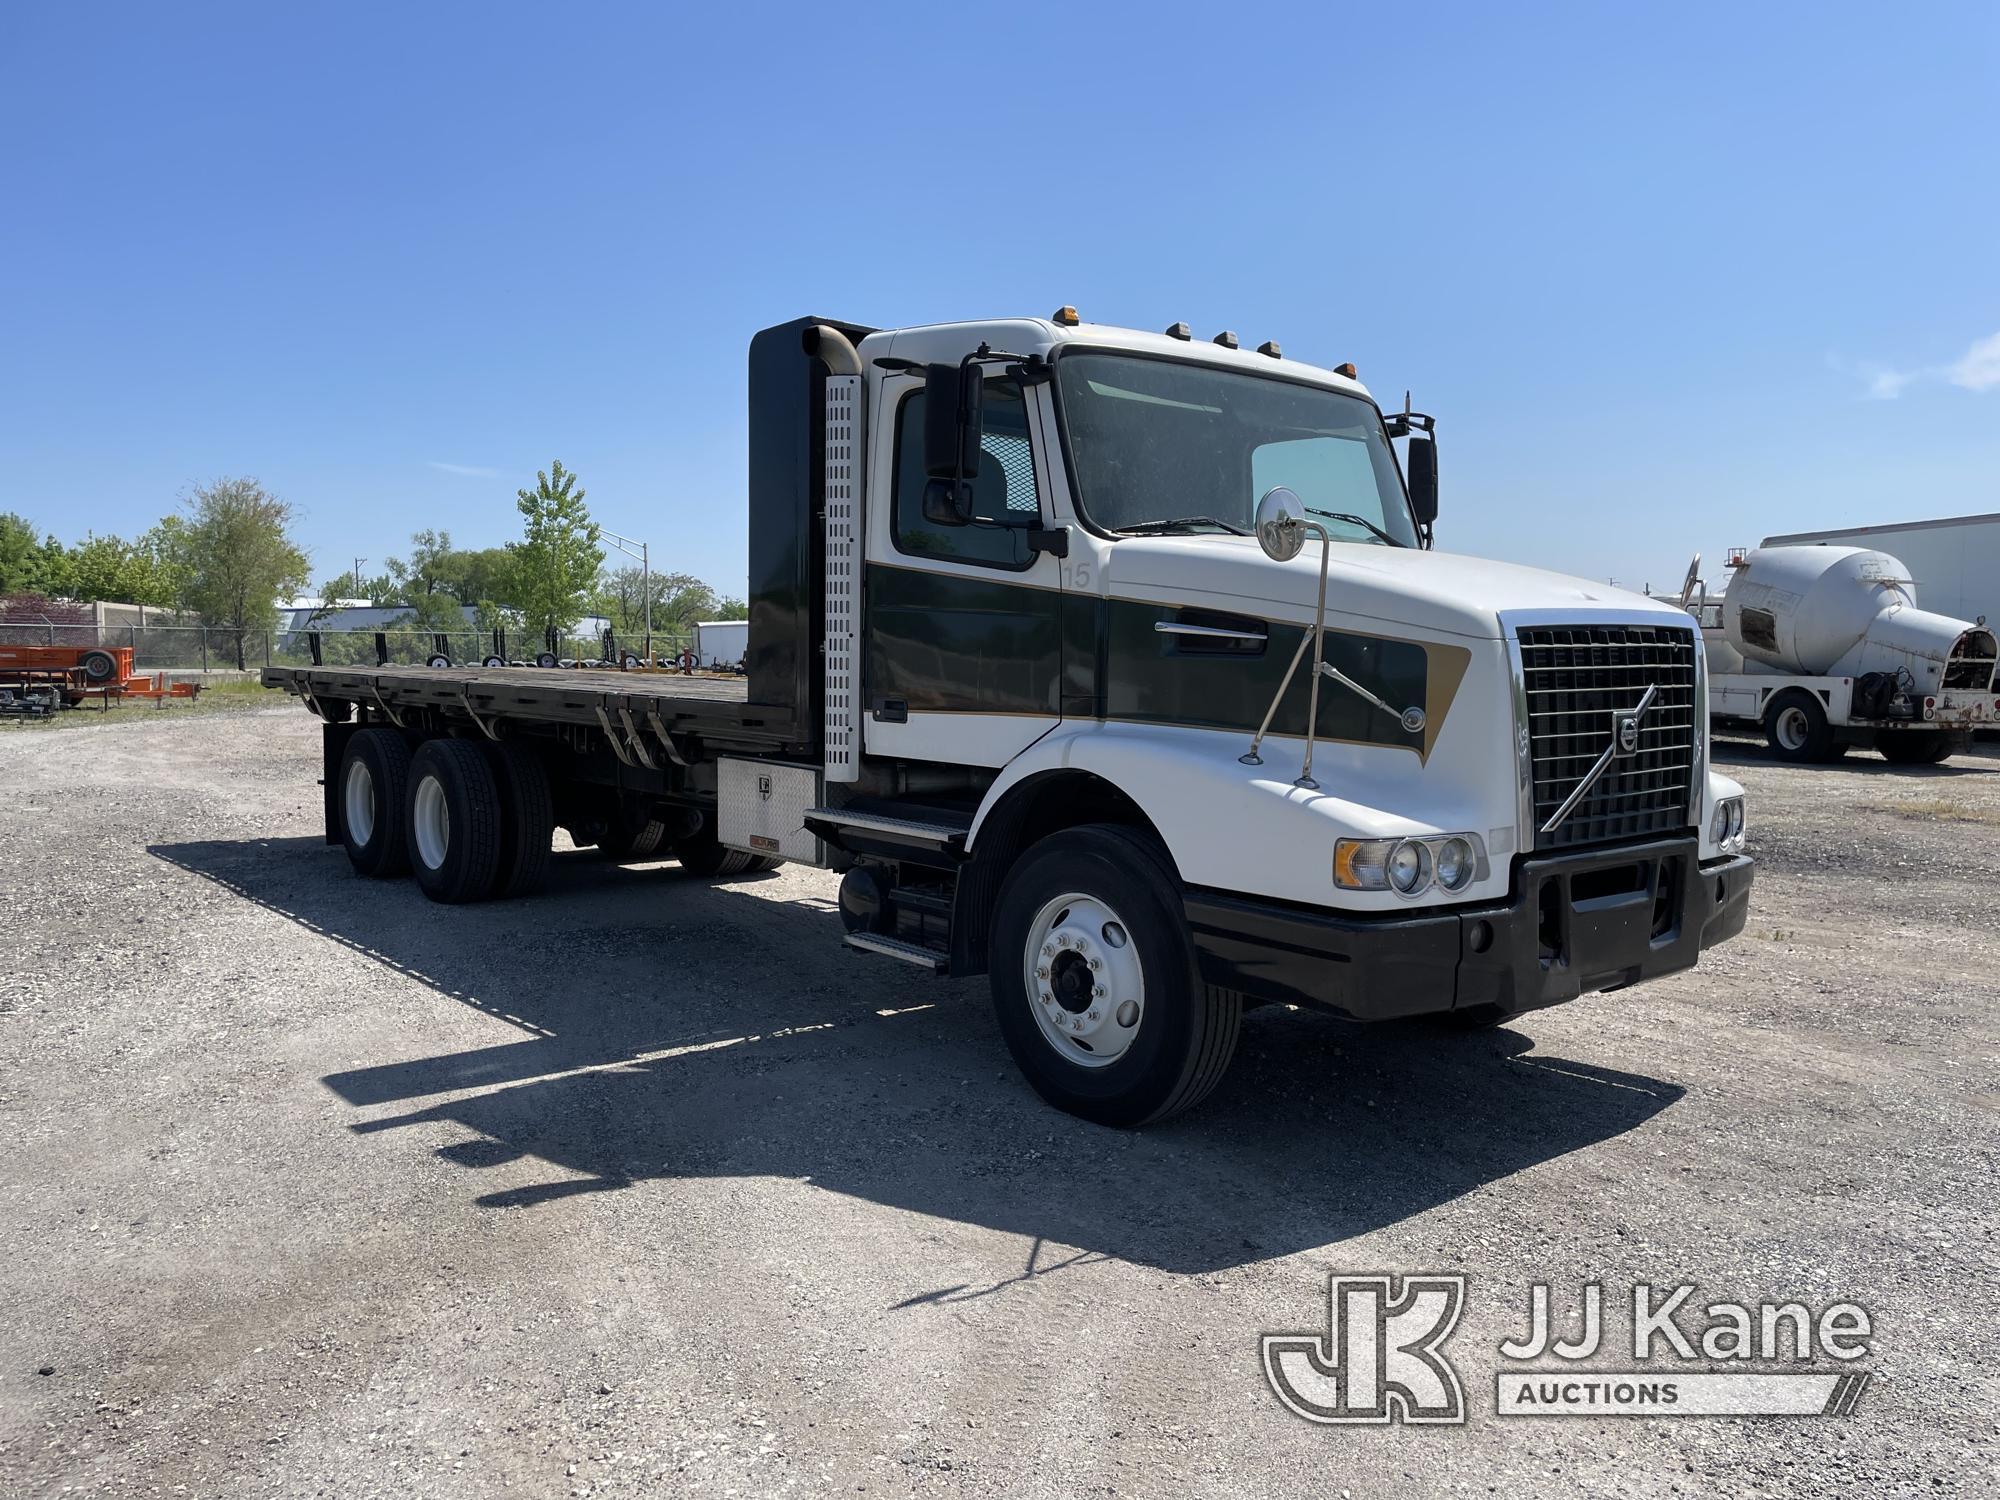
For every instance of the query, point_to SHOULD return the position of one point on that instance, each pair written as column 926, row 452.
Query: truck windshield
column 1155, row 443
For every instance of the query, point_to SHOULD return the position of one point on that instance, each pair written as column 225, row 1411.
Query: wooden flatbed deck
column 717, row 709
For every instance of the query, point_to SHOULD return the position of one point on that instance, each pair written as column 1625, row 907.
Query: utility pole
column 641, row 551
column 357, row 575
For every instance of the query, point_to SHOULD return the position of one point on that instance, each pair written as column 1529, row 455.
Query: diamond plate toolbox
column 761, row 807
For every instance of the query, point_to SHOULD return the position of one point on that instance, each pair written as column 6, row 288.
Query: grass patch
column 1944, row 810
column 221, row 697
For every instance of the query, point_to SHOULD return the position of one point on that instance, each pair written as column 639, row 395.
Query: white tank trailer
column 1825, row 648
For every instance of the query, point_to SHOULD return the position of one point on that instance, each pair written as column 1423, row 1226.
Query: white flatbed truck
column 1117, row 666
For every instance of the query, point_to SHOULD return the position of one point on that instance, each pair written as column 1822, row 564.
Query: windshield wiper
column 1363, row 521
column 1180, row 523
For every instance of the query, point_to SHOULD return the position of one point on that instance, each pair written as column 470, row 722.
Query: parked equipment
column 1824, row 648
column 1116, row 666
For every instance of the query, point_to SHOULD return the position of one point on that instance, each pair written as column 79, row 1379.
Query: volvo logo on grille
column 1624, row 742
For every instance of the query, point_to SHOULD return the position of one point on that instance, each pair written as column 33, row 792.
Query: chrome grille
column 1576, row 678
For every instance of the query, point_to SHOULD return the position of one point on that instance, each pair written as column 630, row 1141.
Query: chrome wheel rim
column 1792, row 728
column 1084, row 982
column 358, row 801
column 430, row 822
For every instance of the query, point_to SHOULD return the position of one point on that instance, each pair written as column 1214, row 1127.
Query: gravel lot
column 648, row 1187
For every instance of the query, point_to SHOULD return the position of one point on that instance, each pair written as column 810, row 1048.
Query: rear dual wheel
column 453, row 816
column 470, row 821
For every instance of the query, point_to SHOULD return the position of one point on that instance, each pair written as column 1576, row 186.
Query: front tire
column 1095, row 986
column 374, row 784
column 453, row 818
column 1796, row 727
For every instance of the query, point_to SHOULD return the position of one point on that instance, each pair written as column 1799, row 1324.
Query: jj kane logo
column 1381, row 1358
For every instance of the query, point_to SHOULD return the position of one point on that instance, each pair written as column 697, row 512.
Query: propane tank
column 1835, row 612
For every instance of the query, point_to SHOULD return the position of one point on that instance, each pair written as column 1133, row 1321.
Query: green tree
column 240, row 557
column 20, row 555
column 428, row 570
column 483, row 576
column 730, row 609
column 157, row 567
column 557, row 558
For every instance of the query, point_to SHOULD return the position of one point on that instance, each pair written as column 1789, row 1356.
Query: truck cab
column 1505, row 802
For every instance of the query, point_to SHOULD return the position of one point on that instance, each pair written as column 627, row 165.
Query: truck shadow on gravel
column 674, row 1029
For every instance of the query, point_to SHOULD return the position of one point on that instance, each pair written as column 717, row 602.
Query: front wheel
column 1095, row 986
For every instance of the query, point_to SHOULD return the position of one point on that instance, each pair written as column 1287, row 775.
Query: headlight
column 1409, row 866
column 1725, row 828
column 1455, row 864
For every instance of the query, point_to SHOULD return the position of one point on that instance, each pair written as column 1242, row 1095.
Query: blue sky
column 1672, row 277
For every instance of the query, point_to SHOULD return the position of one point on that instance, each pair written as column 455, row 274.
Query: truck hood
column 1426, row 591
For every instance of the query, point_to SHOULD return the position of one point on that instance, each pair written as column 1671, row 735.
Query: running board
column 888, row 947
column 939, row 834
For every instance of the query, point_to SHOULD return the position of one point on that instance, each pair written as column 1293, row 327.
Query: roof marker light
column 1226, row 339
column 1180, row 331
column 1348, row 370
column 1066, row 315
column 1270, row 347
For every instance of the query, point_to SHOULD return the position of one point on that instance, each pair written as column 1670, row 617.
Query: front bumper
column 1575, row 923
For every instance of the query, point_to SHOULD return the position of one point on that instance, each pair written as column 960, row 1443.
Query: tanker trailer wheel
column 1916, row 747
column 453, row 816
column 99, row 666
column 374, row 784
column 1795, row 726
column 527, row 819
column 1095, row 986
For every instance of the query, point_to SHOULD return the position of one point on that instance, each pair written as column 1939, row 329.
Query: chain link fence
column 200, row 648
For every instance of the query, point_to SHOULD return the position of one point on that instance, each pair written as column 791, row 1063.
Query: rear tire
column 628, row 843
column 1916, row 747
column 453, row 821
column 1472, row 1018
column 1128, row 956
column 702, row 856
column 99, row 666
column 1796, row 727
column 527, row 820
column 374, row 785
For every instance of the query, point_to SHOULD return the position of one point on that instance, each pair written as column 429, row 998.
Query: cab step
column 933, row 826
column 908, row 952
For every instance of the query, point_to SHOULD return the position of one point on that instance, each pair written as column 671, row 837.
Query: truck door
column 961, row 624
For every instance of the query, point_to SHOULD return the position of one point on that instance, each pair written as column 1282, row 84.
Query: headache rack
column 1577, row 682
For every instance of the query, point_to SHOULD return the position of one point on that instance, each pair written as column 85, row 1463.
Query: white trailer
column 1953, row 563
column 721, row 643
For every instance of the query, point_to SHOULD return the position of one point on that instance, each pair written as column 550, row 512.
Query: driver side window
column 1004, row 506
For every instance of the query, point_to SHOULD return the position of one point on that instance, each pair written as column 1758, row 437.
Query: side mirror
column 1281, row 530
column 1423, row 476
column 953, row 395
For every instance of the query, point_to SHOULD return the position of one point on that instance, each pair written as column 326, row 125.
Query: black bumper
column 1574, row 924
